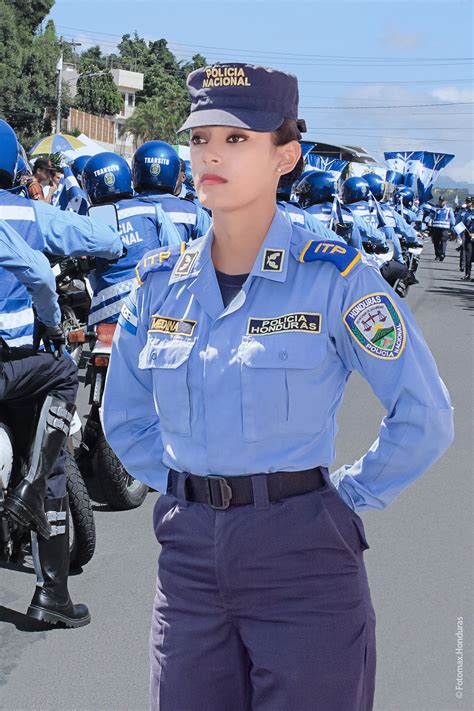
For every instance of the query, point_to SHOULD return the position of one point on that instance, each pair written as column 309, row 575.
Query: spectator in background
column 43, row 176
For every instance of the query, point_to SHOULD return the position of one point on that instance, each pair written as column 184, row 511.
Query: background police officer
column 29, row 379
column 155, row 169
column 143, row 226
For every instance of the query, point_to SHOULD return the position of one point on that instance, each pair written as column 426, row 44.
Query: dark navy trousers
column 263, row 607
column 26, row 378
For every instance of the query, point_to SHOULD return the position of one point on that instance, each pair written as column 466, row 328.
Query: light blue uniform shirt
column 32, row 269
column 255, row 387
column 295, row 214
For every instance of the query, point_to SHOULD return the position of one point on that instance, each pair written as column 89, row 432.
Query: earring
column 278, row 170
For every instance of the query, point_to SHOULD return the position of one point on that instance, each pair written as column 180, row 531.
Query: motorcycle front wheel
column 82, row 535
column 120, row 489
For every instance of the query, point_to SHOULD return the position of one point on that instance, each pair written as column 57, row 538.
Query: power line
column 393, row 106
column 281, row 54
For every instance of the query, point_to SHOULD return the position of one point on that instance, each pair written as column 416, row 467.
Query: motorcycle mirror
column 104, row 214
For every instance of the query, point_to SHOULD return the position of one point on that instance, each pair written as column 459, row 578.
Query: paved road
column 419, row 564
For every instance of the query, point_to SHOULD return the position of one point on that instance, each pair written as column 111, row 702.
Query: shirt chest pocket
column 282, row 386
column 168, row 360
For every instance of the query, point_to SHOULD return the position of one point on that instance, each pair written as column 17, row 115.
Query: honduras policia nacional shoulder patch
column 377, row 326
column 342, row 256
column 288, row 323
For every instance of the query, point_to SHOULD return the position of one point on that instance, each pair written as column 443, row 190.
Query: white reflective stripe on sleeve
column 115, row 290
column 185, row 218
column 141, row 210
column 321, row 216
column 15, row 212
column 106, row 312
column 16, row 319
column 21, row 341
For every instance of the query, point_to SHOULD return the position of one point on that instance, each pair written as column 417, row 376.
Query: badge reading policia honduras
column 376, row 324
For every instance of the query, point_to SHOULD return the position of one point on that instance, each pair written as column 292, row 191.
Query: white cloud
column 396, row 36
column 452, row 93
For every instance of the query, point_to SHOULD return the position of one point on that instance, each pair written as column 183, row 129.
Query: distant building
column 109, row 131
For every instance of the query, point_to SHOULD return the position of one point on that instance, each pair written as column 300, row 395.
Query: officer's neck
column 238, row 236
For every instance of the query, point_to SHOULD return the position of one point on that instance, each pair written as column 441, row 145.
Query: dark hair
column 287, row 132
column 42, row 164
column 182, row 166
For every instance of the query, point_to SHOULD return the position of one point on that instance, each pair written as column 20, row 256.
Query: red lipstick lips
column 211, row 179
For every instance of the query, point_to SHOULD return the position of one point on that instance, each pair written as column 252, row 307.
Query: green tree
column 157, row 118
column 28, row 59
column 96, row 90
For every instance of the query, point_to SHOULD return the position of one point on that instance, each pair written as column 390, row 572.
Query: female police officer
column 228, row 371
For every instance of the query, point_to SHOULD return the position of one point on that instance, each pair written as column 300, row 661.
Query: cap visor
column 251, row 120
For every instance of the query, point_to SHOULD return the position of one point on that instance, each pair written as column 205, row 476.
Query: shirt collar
column 271, row 262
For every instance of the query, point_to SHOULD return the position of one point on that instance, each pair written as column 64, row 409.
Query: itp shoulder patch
column 377, row 326
column 342, row 256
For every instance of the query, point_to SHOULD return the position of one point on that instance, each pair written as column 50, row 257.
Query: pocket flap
column 165, row 353
column 296, row 350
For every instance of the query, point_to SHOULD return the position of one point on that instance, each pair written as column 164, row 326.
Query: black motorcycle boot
column 51, row 602
column 25, row 503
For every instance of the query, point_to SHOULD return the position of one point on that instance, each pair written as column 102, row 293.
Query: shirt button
column 153, row 355
column 283, row 355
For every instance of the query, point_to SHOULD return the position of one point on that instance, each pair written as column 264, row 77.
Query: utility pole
column 59, row 67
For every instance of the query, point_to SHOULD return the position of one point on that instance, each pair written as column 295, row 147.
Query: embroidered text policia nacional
column 225, row 76
column 303, row 322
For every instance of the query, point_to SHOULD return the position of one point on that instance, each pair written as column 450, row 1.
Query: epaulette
column 341, row 255
column 158, row 260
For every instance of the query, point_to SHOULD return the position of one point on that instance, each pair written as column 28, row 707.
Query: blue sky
column 351, row 57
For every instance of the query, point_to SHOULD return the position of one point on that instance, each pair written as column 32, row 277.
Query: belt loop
column 260, row 492
column 181, row 490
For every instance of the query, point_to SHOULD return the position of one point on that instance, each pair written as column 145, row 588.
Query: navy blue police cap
column 242, row 96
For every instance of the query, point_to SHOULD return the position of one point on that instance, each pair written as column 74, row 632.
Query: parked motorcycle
column 15, row 539
column 104, row 474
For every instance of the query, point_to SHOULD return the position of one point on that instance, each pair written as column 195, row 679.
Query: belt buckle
column 225, row 492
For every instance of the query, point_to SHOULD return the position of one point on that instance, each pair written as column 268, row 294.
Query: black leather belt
column 221, row 492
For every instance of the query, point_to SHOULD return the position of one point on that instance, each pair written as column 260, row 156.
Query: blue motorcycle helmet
column 376, row 185
column 406, row 195
column 315, row 187
column 8, row 155
column 77, row 166
column 107, row 177
column 155, row 166
column 355, row 189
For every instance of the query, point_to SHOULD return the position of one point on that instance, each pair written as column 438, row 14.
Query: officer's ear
column 288, row 156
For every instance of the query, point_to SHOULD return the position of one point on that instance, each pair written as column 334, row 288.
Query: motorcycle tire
column 121, row 490
column 82, row 535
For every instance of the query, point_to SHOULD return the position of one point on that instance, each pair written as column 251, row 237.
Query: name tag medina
column 176, row 326
column 300, row 322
